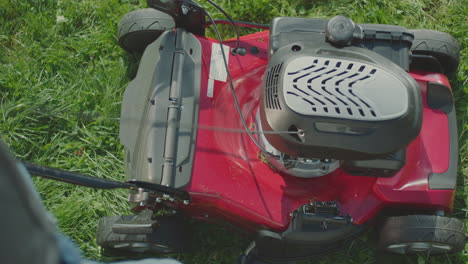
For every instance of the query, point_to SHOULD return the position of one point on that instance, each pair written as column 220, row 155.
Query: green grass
column 61, row 84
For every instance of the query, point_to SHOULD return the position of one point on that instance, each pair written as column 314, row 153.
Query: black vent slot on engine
column 271, row 87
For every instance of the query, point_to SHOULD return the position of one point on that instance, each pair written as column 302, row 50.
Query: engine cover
column 342, row 88
column 345, row 103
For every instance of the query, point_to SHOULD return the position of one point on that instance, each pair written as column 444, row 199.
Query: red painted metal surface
column 231, row 182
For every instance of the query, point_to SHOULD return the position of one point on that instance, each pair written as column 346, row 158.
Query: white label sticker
column 209, row 92
column 217, row 67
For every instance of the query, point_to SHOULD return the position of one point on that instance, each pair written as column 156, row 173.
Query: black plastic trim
column 425, row 63
column 439, row 97
column 306, row 237
column 384, row 167
column 446, row 180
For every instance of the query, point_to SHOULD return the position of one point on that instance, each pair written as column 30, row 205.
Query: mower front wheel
column 139, row 28
column 171, row 235
column 434, row 51
column 428, row 234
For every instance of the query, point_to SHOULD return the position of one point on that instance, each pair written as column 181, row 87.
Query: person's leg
column 28, row 232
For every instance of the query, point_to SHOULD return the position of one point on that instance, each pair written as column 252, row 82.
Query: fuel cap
column 340, row 31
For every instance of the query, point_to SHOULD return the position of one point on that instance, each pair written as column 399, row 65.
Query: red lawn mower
column 306, row 134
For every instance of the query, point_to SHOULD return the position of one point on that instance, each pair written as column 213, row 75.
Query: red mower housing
column 337, row 171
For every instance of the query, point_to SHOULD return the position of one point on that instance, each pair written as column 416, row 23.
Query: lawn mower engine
column 336, row 101
column 304, row 135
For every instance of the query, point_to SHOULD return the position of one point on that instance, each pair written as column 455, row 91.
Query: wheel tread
column 422, row 228
column 438, row 44
column 173, row 233
column 137, row 29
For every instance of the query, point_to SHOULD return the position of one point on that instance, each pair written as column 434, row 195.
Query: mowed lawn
column 62, row 76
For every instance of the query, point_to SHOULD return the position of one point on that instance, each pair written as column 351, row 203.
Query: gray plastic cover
column 343, row 88
column 143, row 121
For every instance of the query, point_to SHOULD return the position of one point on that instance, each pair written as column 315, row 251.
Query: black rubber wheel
column 441, row 46
column 139, row 28
column 171, row 235
column 428, row 234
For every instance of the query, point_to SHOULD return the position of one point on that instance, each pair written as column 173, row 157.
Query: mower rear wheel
column 139, row 28
column 428, row 234
column 434, row 51
column 171, row 235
